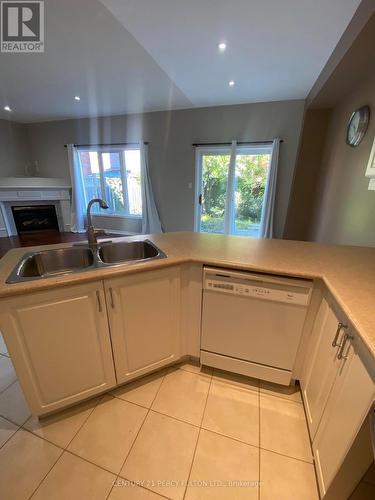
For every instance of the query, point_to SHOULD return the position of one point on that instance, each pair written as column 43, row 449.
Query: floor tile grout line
column 150, row 409
column 90, row 462
column 156, row 411
column 51, row 442
column 42, row 438
column 254, row 446
column 231, row 438
column 174, row 418
column 14, row 433
column 64, row 449
column 287, row 456
column 280, row 398
column 199, row 433
column 49, row 470
column 118, row 475
column 12, row 421
column 100, row 398
column 7, row 387
column 136, row 437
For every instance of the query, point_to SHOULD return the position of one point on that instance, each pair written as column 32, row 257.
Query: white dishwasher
column 252, row 323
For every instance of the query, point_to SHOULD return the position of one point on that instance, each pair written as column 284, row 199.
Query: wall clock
column 357, row 126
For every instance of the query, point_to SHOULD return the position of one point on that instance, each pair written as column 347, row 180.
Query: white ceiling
column 275, row 48
column 90, row 54
column 125, row 56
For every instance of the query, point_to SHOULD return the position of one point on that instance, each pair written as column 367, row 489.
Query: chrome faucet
column 91, row 232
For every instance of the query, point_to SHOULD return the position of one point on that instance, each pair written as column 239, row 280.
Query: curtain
column 150, row 217
column 77, row 223
column 266, row 229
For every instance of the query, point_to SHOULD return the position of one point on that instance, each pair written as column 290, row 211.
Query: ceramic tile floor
column 220, row 434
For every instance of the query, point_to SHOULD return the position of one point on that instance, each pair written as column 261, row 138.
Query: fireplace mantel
column 33, row 183
column 15, row 191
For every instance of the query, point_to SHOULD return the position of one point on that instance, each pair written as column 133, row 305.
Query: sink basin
column 37, row 265
column 52, row 262
column 125, row 251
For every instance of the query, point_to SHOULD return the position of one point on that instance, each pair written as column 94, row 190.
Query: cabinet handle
column 99, row 301
column 339, row 328
column 111, row 296
column 340, row 354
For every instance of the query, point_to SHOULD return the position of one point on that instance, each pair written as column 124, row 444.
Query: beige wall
column 14, row 149
column 170, row 136
column 344, row 210
column 308, row 166
column 14, row 154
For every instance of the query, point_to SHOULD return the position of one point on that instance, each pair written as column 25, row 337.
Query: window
column 231, row 196
column 114, row 175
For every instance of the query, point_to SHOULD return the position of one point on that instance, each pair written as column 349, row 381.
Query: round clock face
column 357, row 126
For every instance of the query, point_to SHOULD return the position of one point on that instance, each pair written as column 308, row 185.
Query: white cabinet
column 60, row 345
column 144, row 316
column 322, row 364
column 347, row 407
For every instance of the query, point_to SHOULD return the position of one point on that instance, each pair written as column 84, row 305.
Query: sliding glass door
column 231, row 184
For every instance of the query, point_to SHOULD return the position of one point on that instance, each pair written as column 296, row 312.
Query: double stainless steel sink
column 46, row 263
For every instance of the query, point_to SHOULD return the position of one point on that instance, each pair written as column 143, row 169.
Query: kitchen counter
column 347, row 271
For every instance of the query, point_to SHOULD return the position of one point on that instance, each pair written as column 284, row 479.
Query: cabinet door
column 323, row 365
column 144, row 314
column 60, row 345
column 347, row 407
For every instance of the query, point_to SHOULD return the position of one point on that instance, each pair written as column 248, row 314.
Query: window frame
column 121, row 152
column 225, row 149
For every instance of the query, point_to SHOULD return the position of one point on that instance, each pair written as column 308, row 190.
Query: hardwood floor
column 43, row 238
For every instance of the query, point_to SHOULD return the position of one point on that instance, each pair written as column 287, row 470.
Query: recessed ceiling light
column 222, row 46
column 7, row 108
column 231, row 83
column 77, row 98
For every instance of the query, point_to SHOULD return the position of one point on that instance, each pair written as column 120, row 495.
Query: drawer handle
column 340, row 326
column 340, row 354
column 112, row 299
column 99, row 301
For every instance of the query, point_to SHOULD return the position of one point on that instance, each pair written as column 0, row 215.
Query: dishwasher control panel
column 294, row 295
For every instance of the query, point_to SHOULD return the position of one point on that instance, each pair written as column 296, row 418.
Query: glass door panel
column 250, row 180
column 232, row 192
column 215, row 169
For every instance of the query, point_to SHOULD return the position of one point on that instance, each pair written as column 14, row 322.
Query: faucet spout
column 91, row 236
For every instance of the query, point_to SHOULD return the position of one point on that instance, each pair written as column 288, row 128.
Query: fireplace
column 29, row 219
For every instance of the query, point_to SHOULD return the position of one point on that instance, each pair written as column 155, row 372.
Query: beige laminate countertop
column 347, row 271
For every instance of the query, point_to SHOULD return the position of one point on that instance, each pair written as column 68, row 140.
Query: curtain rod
column 229, row 143
column 106, row 144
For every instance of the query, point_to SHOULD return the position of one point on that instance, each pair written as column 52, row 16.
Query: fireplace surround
column 32, row 192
